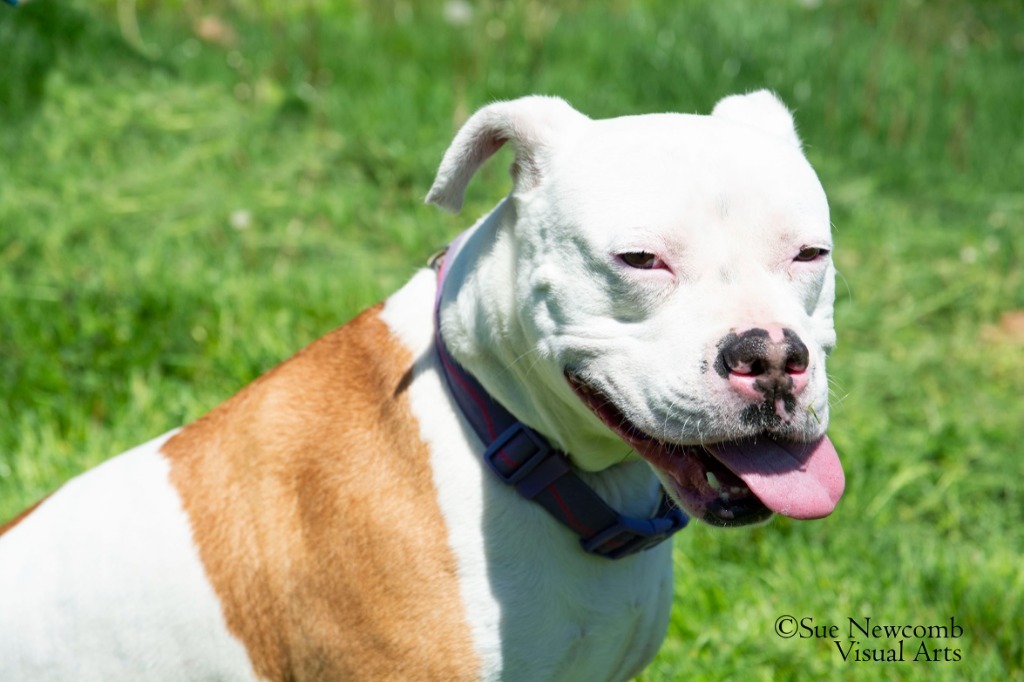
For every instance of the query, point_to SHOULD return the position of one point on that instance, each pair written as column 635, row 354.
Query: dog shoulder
column 311, row 500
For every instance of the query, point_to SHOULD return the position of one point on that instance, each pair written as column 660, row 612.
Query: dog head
column 663, row 281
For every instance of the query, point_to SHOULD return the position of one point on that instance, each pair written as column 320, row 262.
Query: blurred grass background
column 192, row 190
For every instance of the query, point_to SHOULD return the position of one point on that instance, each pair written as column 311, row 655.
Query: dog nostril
column 739, row 359
column 747, row 367
column 796, row 361
column 796, row 366
column 797, row 355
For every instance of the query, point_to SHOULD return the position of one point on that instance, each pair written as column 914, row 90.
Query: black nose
column 759, row 353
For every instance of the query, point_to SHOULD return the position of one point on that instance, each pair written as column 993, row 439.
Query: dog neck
column 485, row 330
column 521, row 457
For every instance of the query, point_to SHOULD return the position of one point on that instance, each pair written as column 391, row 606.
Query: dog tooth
column 713, row 481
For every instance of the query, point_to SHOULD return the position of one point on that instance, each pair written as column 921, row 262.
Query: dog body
column 652, row 285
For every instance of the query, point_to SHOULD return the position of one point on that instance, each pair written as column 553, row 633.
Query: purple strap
column 521, row 457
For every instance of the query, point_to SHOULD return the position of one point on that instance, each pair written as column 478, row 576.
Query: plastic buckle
column 630, row 536
column 522, row 467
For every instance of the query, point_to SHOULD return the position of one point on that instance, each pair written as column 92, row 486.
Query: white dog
column 648, row 311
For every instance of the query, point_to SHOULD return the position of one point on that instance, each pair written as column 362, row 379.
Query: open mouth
column 732, row 483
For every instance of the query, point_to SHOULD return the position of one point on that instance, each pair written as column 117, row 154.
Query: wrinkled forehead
column 671, row 170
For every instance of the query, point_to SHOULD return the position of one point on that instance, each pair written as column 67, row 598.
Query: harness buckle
column 629, row 536
column 520, row 450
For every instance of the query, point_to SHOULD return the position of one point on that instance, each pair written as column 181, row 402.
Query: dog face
column 672, row 285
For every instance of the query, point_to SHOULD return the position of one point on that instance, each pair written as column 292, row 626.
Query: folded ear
column 762, row 110
column 532, row 124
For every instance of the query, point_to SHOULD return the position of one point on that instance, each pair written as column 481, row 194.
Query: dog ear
column 532, row 124
column 762, row 110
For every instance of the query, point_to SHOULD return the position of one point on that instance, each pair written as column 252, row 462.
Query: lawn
column 190, row 192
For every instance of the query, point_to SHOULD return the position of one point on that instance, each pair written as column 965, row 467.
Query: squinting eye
column 809, row 253
column 640, row 260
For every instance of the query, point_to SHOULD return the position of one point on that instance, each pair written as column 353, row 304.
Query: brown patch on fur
column 20, row 517
column 314, row 510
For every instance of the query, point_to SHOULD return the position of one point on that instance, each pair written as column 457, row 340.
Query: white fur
column 727, row 201
column 761, row 110
column 77, row 588
column 538, row 607
column 531, row 124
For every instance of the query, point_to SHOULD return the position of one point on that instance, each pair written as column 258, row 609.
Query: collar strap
column 521, row 457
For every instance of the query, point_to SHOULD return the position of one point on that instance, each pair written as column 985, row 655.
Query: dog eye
column 809, row 253
column 640, row 260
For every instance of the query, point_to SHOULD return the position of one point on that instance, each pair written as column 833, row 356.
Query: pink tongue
column 799, row 480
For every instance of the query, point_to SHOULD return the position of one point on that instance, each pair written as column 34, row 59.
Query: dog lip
column 701, row 484
column 605, row 409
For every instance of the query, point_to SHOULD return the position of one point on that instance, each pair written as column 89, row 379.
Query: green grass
column 131, row 301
